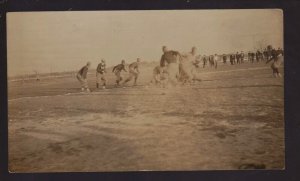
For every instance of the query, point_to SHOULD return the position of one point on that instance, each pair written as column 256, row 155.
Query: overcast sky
column 64, row 41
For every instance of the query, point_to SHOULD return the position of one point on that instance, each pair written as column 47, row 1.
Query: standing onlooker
column 231, row 57
column 216, row 59
column 224, row 58
column 242, row 56
column 238, row 58
column 204, row 59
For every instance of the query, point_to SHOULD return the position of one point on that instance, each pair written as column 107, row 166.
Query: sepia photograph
column 145, row 90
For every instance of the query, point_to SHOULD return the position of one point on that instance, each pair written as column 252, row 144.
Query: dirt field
column 233, row 119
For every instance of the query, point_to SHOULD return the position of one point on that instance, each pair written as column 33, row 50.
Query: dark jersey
column 83, row 72
column 169, row 57
column 119, row 68
column 101, row 68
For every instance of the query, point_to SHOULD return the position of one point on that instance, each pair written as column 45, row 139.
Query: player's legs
column 119, row 78
column 98, row 79
column 195, row 75
column 85, row 85
column 172, row 70
column 81, row 81
column 186, row 72
column 274, row 70
column 156, row 78
column 131, row 75
column 277, row 72
column 135, row 78
column 103, row 80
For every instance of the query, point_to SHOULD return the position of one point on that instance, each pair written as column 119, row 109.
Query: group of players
column 101, row 74
column 177, row 67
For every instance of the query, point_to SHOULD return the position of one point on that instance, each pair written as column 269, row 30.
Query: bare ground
column 233, row 119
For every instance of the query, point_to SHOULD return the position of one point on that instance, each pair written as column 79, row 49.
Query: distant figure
column 82, row 77
column 231, row 57
column 133, row 71
column 170, row 60
column 117, row 70
column 242, row 56
column 277, row 57
column 211, row 61
column 216, row 58
column 257, row 56
column 260, row 56
column 204, row 59
column 100, row 74
column 265, row 55
column 234, row 58
column 37, row 76
column 224, row 57
column 238, row 58
column 251, row 57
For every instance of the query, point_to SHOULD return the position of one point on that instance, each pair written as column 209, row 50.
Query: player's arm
column 113, row 70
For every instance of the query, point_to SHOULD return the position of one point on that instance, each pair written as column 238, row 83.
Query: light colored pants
column 83, row 82
column 173, row 72
column 276, row 64
column 185, row 71
column 188, row 72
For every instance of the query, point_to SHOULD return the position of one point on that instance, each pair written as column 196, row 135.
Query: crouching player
column 160, row 76
column 82, row 77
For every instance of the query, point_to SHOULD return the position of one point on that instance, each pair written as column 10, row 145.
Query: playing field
column 233, row 119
